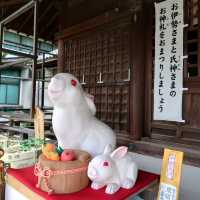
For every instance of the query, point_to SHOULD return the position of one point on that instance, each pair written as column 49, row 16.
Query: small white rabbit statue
column 113, row 170
column 74, row 121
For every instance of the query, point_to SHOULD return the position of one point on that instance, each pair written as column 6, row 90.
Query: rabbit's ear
column 119, row 152
column 108, row 149
column 90, row 102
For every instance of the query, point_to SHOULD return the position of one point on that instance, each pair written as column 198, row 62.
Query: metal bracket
column 185, row 25
column 129, row 75
column 184, row 57
column 83, row 80
column 100, row 79
column 185, row 89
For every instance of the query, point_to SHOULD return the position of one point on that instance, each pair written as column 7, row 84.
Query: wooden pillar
column 61, row 56
column 198, row 53
column 137, row 76
column 148, row 8
column 185, row 38
column 35, row 47
column 43, row 80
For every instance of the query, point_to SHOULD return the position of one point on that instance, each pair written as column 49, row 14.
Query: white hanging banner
column 168, row 76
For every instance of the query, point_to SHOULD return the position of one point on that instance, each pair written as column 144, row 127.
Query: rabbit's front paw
column 96, row 185
column 112, row 188
column 127, row 183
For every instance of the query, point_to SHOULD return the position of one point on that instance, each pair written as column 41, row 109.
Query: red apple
column 68, row 155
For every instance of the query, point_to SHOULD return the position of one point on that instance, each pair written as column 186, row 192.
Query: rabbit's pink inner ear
column 119, row 152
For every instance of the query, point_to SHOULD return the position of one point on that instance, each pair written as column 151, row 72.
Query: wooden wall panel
column 188, row 132
column 107, row 52
column 103, row 58
column 194, row 117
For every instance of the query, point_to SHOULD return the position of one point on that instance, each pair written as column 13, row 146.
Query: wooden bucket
column 62, row 177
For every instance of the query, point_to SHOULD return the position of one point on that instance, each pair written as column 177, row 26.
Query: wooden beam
column 61, row 56
column 43, row 78
column 35, row 50
column 148, row 67
column 198, row 38
column 91, row 24
column 185, row 39
column 137, row 75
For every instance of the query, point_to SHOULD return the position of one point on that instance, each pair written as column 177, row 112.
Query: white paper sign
column 167, row 192
column 168, row 76
column 170, row 167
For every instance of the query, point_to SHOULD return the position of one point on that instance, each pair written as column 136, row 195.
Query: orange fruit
column 54, row 156
column 50, row 147
column 49, row 151
column 46, row 153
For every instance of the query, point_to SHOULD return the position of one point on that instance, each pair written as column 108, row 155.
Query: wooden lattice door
column 100, row 59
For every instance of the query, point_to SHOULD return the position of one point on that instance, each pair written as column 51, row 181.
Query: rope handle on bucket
column 46, row 173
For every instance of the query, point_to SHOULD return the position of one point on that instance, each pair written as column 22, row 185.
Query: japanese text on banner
column 168, row 76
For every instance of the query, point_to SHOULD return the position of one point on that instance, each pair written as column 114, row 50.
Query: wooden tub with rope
column 63, row 177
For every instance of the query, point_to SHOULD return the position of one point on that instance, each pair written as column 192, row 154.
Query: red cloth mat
column 27, row 177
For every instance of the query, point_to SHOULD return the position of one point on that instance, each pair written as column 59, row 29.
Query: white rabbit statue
column 74, row 121
column 113, row 170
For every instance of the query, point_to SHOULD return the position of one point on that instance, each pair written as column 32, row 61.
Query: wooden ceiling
column 47, row 18
column 54, row 15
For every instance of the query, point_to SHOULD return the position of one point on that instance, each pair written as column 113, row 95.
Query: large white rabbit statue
column 113, row 170
column 74, row 121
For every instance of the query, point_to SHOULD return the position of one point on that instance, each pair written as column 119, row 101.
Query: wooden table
column 23, row 181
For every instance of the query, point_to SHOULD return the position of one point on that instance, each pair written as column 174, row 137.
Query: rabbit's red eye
column 74, row 82
column 105, row 164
